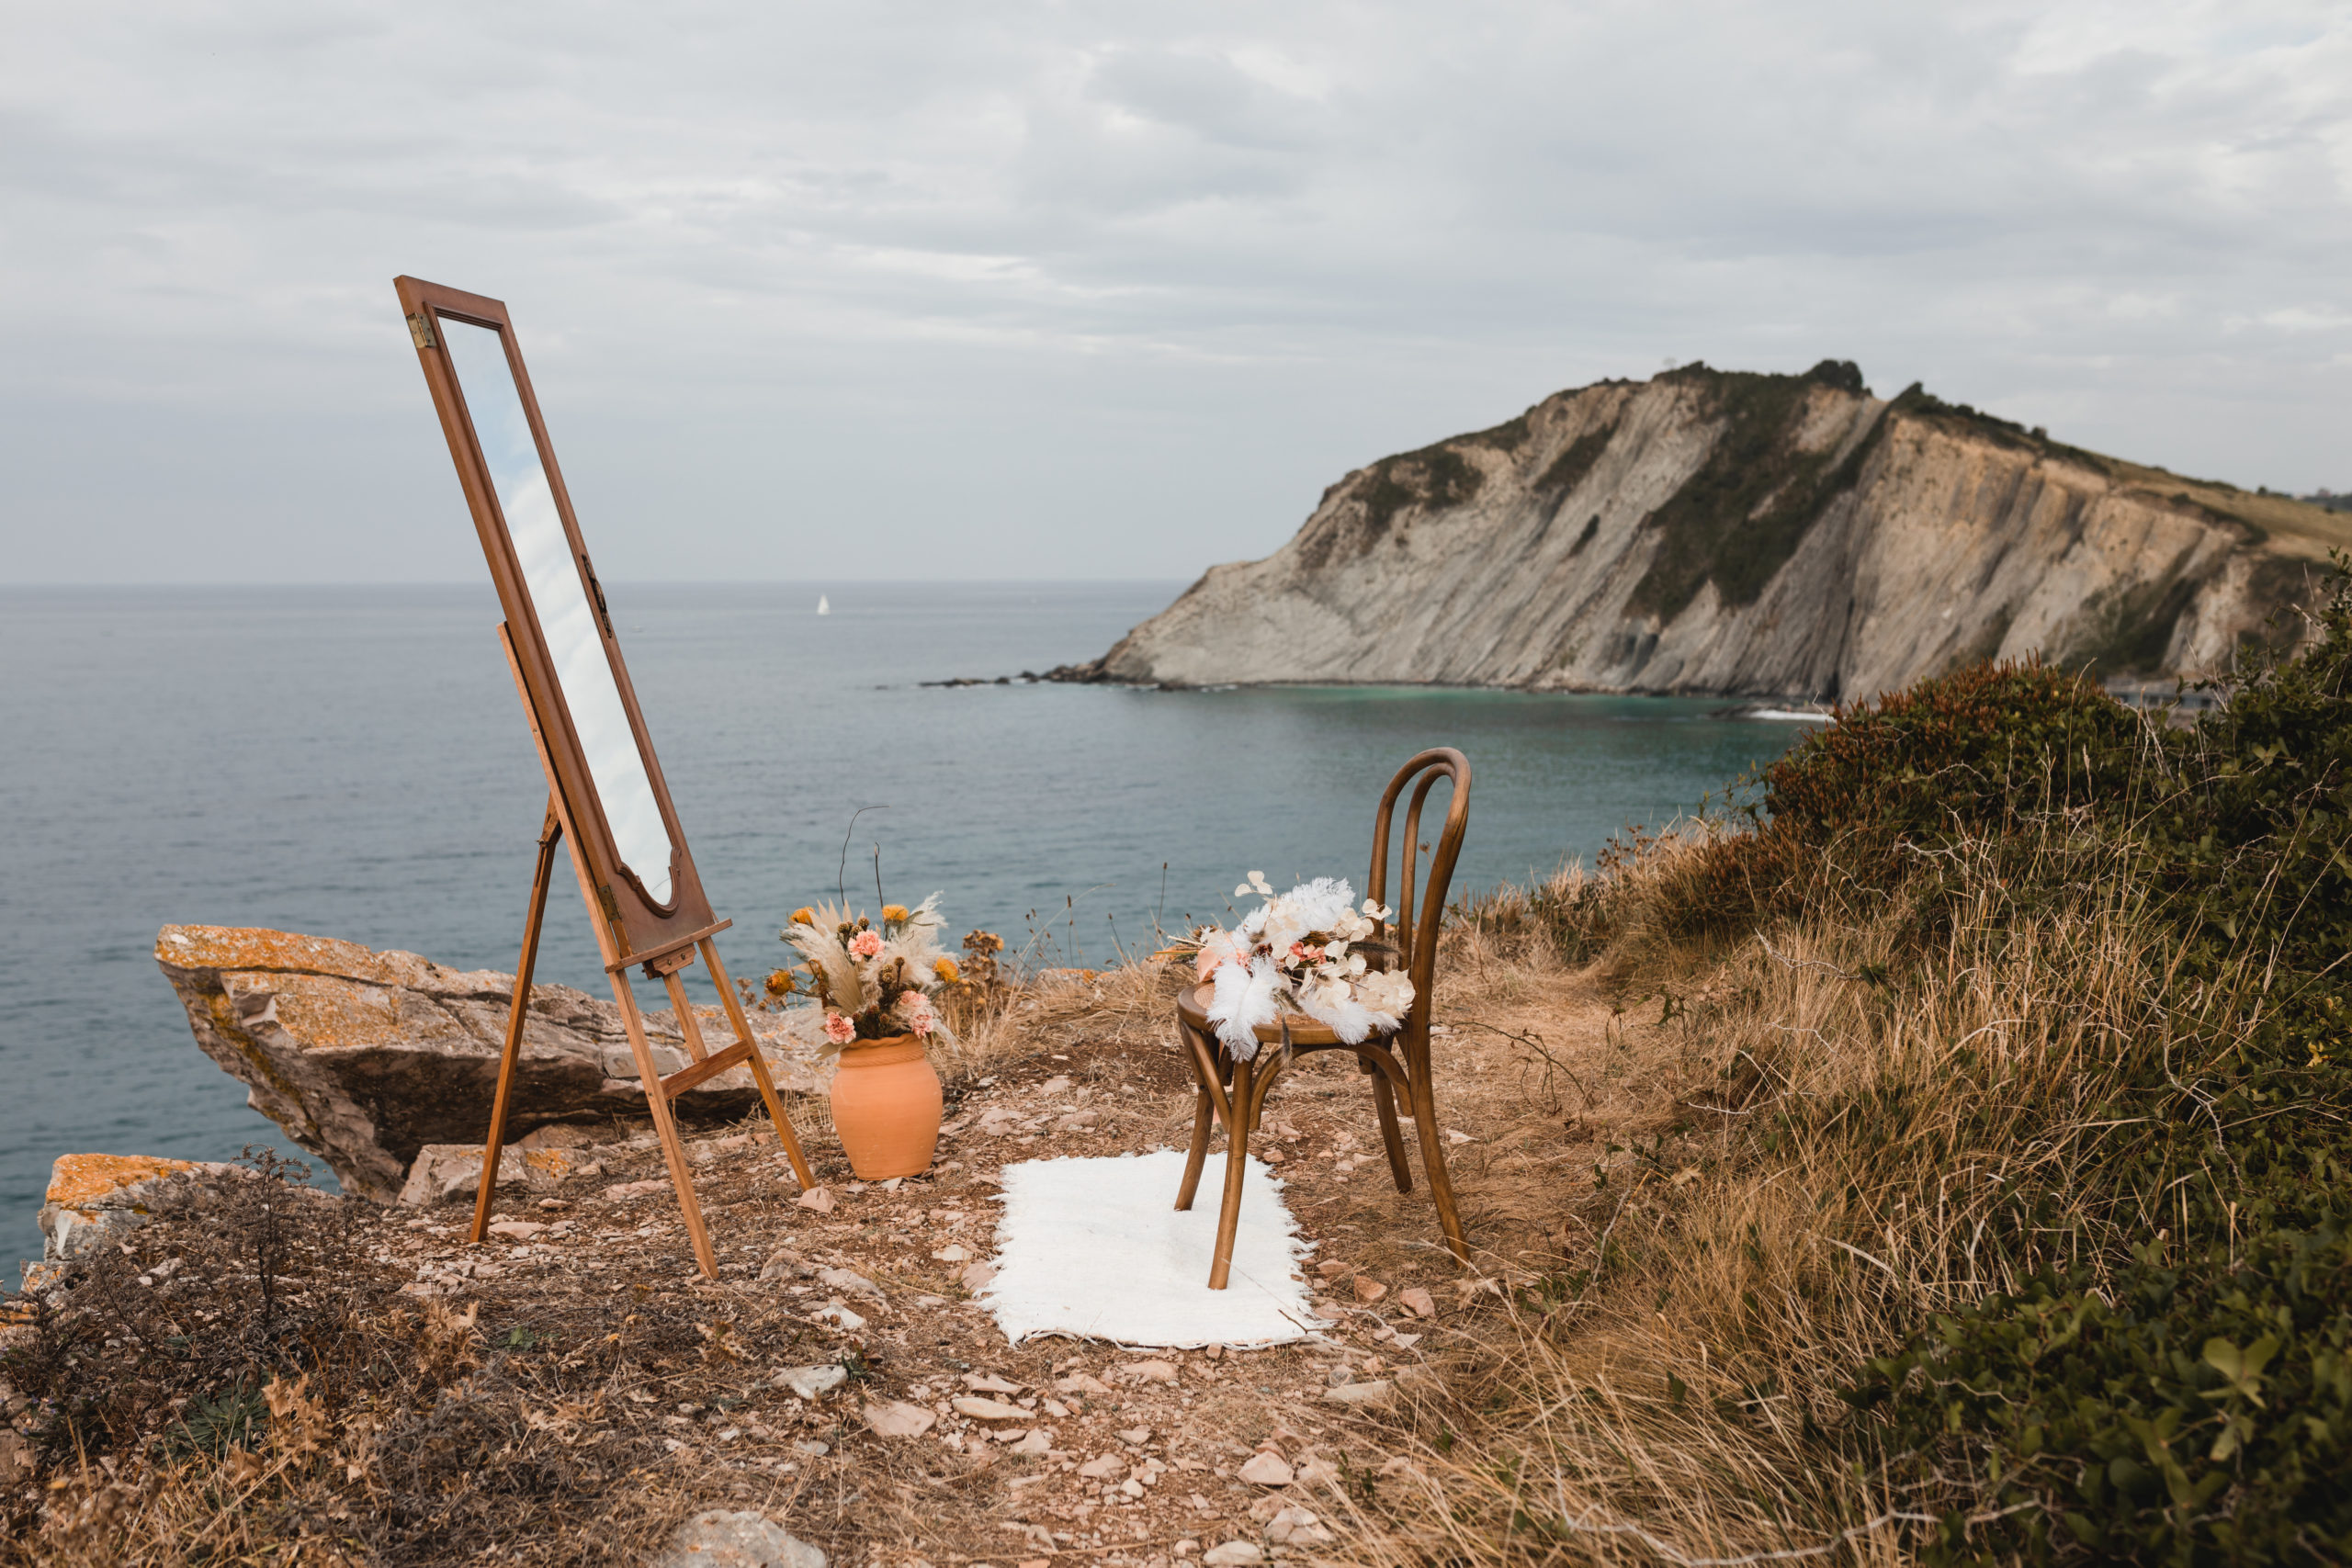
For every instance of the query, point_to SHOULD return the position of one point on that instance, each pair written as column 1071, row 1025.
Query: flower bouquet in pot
column 875, row 985
column 1309, row 950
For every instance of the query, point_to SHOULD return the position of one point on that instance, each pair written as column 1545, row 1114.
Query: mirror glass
column 559, row 595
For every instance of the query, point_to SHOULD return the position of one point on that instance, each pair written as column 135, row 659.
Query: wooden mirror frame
column 636, row 927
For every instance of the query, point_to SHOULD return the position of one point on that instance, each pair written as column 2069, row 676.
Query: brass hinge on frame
column 420, row 327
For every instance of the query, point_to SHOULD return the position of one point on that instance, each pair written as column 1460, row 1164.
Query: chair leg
column 1204, row 1117
column 1384, row 1099
column 1236, row 1165
column 1433, row 1161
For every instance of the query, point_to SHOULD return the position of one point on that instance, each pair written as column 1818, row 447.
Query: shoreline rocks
column 366, row 1057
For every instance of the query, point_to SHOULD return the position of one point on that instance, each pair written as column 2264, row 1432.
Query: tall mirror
column 558, row 593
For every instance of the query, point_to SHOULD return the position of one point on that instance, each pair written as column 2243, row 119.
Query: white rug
column 1096, row 1248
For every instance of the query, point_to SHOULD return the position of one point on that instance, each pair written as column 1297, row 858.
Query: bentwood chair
column 1234, row 1092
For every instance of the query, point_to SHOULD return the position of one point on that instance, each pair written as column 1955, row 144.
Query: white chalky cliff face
column 1711, row 531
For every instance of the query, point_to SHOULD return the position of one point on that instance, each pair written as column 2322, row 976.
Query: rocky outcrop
column 366, row 1057
column 94, row 1199
column 1727, row 533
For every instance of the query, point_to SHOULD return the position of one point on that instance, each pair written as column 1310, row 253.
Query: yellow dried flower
column 804, row 916
column 947, row 972
column 782, row 984
column 894, row 912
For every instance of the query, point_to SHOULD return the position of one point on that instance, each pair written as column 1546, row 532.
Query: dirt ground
column 1118, row 1455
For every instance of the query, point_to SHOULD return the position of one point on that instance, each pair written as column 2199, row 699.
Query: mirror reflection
column 561, row 597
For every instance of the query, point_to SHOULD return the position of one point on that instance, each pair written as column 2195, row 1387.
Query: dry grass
column 1813, row 1145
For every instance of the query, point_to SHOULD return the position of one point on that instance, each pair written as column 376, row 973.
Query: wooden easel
column 663, row 963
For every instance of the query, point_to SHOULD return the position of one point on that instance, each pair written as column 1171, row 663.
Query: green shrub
column 2183, row 1393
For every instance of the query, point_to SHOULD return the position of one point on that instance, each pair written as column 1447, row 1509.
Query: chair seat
column 1193, row 1006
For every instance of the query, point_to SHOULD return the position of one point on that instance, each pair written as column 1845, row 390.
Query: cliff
column 1729, row 533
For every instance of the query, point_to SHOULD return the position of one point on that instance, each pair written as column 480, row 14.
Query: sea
column 352, row 761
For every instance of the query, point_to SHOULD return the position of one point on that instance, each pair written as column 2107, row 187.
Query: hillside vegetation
column 1994, row 1206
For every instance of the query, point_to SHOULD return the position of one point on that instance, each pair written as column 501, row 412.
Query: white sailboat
column 824, row 605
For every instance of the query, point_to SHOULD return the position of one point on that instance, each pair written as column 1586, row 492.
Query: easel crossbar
column 677, row 1083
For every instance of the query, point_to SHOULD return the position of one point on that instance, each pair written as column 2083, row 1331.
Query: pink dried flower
column 839, row 1030
column 866, row 944
column 915, row 1008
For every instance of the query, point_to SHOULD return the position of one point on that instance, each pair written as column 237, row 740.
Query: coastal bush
column 1995, row 1204
column 237, row 1382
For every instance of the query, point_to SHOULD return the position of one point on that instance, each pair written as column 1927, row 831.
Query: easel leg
column 742, row 1026
column 665, row 1126
column 486, row 1190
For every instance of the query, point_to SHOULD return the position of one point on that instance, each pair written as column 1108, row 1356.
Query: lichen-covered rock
column 93, row 1199
column 366, row 1057
column 1788, row 537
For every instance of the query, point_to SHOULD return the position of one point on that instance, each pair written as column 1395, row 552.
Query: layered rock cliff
column 1728, row 533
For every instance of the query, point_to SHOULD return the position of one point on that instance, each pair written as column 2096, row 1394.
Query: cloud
column 1095, row 290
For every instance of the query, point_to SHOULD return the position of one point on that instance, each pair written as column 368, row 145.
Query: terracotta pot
column 887, row 1107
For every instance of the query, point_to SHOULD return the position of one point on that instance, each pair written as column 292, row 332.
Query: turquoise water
column 352, row 762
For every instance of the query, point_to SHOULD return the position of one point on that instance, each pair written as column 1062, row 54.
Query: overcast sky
column 884, row 290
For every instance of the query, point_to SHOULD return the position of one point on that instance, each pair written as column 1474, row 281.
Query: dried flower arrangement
column 1297, row 949
column 874, row 983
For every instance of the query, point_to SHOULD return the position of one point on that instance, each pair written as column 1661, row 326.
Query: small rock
column 454, row 1170
column 810, row 1382
column 1297, row 1526
column 812, row 1448
column 1397, row 1464
column 990, row 1384
column 900, row 1419
column 989, row 1409
column 1232, row 1554
column 1077, row 1122
column 818, row 1198
column 517, row 1230
column 1416, row 1300
column 619, row 1192
column 1054, row 1085
column 852, row 1284
column 785, row 1264
column 1147, row 1372
column 1104, row 1468
column 953, row 1252
column 1036, row 1443
column 1079, row 1382
column 839, row 1316
column 1369, row 1289
column 1376, row 1392
column 724, row 1538
column 1139, row 1436
column 1318, row 1472
column 1265, row 1469
column 1131, row 1487
column 1331, row 1268
column 977, row 1276
column 556, row 1135
column 1454, row 1137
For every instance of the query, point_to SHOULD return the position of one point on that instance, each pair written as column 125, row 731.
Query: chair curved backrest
column 1416, row 937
